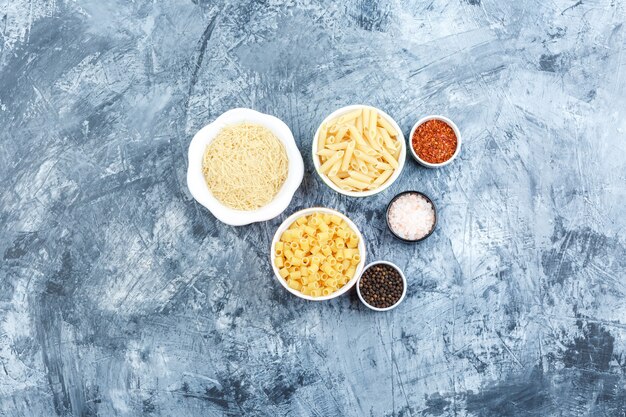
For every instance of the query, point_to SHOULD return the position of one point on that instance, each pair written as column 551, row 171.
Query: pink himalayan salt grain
column 411, row 216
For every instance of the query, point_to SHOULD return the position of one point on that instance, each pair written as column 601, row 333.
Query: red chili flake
column 434, row 141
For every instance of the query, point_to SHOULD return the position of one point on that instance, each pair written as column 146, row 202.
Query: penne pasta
column 396, row 153
column 387, row 126
column 359, row 122
column 341, row 132
column 345, row 163
column 360, row 177
column 334, row 169
column 390, row 159
column 364, row 147
column 336, row 180
column 356, row 135
column 349, row 116
column 325, row 167
column 382, row 178
column 382, row 165
column 355, row 183
column 362, row 167
column 380, row 142
column 336, row 146
column 371, row 172
column 372, row 142
column 321, row 138
column 372, row 122
column 389, row 143
column 360, row 155
column 357, row 149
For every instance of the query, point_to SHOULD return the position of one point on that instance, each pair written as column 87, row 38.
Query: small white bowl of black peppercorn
column 381, row 286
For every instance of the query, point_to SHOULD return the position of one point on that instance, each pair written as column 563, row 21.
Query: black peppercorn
column 381, row 286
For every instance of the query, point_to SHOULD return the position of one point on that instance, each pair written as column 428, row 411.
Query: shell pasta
column 359, row 150
column 318, row 254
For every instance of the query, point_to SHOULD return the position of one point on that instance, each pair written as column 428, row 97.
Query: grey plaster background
column 120, row 296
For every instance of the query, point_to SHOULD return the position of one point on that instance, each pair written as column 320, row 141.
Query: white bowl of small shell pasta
column 306, row 212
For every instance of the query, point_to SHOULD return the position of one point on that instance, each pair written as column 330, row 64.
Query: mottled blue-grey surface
column 121, row 296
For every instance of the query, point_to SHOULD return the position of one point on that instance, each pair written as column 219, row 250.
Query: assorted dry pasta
column 245, row 165
column 358, row 150
column 317, row 254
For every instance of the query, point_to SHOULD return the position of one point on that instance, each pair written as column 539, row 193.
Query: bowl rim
column 394, row 176
column 404, row 281
column 387, row 216
column 293, row 217
column 450, row 123
column 201, row 193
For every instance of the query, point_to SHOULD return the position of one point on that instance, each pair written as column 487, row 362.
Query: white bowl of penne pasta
column 317, row 254
column 359, row 150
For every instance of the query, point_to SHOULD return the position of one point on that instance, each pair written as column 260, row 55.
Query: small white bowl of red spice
column 435, row 141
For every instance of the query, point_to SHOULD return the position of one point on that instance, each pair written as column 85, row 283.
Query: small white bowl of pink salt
column 411, row 216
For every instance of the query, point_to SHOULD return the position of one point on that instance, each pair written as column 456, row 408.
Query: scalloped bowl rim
column 288, row 221
column 201, row 193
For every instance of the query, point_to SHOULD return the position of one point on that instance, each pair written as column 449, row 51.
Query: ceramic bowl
column 400, row 237
column 199, row 189
column 394, row 176
column 450, row 123
column 288, row 223
column 397, row 268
